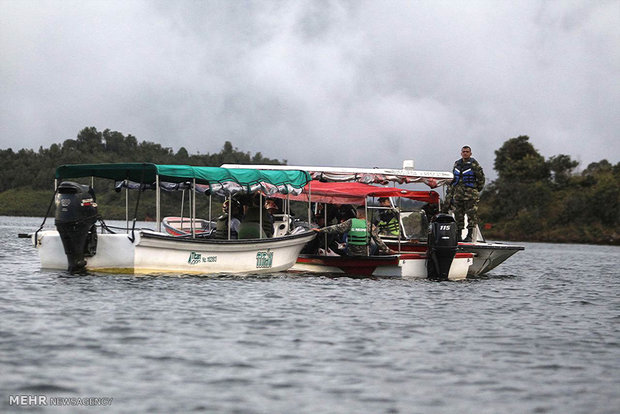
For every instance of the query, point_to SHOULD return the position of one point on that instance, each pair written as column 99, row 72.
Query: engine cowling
column 76, row 215
column 442, row 246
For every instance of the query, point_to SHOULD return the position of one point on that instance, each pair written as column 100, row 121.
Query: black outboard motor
column 442, row 245
column 76, row 215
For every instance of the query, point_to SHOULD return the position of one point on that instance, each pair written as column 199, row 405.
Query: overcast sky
column 338, row 83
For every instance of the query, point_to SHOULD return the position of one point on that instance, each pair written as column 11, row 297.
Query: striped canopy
column 215, row 179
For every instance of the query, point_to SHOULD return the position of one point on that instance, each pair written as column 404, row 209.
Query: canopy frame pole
column 368, row 227
column 210, row 198
column 325, row 225
column 182, row 206
column 193, row 222
column 92, row 186
column 288, row 213
column 260, row 214
column 157, row 203
column 309, row 203
column 400, row 203
column 229, row 212
column 126, row 206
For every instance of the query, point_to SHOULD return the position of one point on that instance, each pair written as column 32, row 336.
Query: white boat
column 486, row 255
column 153, row 252
column 77, row 244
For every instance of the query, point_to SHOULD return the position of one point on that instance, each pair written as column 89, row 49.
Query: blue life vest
column 463, row 172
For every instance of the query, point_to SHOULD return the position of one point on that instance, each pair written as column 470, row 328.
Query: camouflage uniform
column 355, row 250
column 463, row 198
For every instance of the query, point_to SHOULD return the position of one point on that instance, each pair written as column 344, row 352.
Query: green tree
column 561, row 167
column 518, row 160
column 519, row 166
column 182, row 156
column 89, row 140
column 534, row 199
column 29, row 174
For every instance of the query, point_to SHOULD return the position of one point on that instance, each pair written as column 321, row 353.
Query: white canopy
column 362, row 175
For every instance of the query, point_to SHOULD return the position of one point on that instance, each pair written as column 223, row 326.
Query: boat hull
column 152, row 252
column 486, row 255
column 405, row 266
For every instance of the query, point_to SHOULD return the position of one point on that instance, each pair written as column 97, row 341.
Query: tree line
column 533, row 198
column 29, row 169
column 538, row 199
column 26, row 176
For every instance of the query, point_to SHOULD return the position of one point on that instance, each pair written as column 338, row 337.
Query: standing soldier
column 464, row 192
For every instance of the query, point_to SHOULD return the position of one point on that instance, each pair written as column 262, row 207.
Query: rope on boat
column 105, row 226
column 45, row 217
column 135, row 214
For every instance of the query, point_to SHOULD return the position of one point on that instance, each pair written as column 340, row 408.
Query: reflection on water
column 539, row 334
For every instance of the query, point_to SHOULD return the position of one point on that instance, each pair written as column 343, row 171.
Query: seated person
column 332, row 211
column 429, row 210
column 387, row 220
column 345, row 212
column 221, row 229
column 334, row 242
column 272, row 207
column 360, row 232
column 250, row 227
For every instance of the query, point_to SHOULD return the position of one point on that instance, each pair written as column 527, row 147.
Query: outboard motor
column 76, row 215
column 442, row 245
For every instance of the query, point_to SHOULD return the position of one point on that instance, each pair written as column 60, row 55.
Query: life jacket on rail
column 463, row 172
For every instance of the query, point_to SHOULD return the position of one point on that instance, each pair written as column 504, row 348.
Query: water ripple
column 540, row 334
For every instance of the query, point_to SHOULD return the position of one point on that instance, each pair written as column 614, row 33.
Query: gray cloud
column 351, row 83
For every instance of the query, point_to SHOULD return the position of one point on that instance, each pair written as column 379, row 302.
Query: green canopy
column 146, row 173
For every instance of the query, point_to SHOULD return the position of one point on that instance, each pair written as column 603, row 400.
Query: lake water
column 539, row 334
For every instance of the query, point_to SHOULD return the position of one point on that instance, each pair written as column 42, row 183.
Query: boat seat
column 281, row 224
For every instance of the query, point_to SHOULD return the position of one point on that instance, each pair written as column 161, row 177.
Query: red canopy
column 356, row 193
